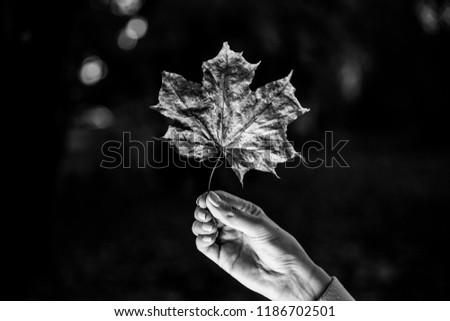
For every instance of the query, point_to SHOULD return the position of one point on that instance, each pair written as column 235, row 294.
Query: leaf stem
column 212, row 172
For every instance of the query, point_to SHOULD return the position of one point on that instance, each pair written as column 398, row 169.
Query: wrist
column 304, row 284
column 319, row 281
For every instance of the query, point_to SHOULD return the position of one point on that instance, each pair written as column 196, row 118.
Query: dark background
column 374, row 72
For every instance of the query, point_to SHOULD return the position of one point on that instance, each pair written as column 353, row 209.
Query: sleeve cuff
column 335, row 292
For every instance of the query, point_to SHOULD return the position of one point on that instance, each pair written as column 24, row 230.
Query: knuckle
column 258, row 209
column 229, row 211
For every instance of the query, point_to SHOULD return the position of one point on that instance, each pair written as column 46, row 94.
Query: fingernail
column 198, row 198
column 207, row 239
column 214, row 199
column 208, row 227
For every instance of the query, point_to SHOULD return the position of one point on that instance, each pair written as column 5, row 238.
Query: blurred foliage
column 376, row 73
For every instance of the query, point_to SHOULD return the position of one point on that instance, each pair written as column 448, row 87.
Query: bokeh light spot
column 127, row 39
column 428, row 17
column 98, row 117
column 446, row 14
column 93, row 69
column 125, row 7
column 138, row 25
column 350, row 77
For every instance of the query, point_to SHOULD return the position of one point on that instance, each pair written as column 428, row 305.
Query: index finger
column 201, row 200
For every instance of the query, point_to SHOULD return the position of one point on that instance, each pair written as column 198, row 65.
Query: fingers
column 235, row 212
column 204, row 224
column 202, row 215
column 206, row 244
column 201, row 200
column 205, row 229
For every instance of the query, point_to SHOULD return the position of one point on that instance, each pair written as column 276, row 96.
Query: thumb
column 235, row 212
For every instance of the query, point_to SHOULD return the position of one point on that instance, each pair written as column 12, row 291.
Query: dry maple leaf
column 223, row 117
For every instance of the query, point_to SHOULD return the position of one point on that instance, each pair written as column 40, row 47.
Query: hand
column 247, row 244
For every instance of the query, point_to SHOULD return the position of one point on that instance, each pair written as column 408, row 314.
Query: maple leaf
column 223, row 117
